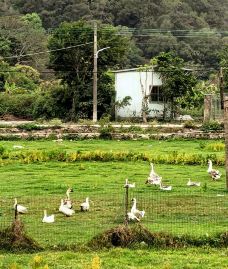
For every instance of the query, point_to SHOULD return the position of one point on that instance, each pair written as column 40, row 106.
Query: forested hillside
column 195, row 29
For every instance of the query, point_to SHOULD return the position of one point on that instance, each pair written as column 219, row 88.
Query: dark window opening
column 156, row 94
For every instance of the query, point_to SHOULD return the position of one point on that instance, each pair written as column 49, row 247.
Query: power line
column 43, row 52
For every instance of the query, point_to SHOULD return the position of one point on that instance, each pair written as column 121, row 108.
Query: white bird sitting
column 67, row 202
column 215, row 174
column 131, row 216
column 48, row 219
column 192, row 183
column 129, row 185
column 165, row 188
column 18, row 147
column 85, row 205
column 65, row 210
column 20, row 208
column 139, row 214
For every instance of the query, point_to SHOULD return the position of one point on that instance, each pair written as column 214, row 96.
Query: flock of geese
column 66, row 208
column 66, row 205
column 155, row 179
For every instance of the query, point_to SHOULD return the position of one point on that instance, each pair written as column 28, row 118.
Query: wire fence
column 183, row 210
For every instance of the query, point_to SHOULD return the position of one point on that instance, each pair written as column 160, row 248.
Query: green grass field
column 39, row 186
column 146, row 146
column 190, row 258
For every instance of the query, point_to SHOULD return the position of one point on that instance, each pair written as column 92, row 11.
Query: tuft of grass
column 14, row 238
column 218, row 146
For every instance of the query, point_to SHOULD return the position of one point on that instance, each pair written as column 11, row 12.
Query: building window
column 155, row 94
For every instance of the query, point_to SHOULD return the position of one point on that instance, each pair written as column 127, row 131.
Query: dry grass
column 14, row 238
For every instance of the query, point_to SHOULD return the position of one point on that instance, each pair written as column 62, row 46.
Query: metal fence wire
column 183, row 210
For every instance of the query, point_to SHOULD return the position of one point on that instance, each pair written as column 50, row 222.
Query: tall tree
column 176, row 80
column 75, row 65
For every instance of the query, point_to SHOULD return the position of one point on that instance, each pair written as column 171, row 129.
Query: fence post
column 226, row 134
column 207, row 107
column 126, row 205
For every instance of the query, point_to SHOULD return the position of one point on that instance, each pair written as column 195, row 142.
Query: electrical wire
column 43, row 52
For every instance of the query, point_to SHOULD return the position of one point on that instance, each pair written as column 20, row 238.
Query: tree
column 176, row 80
column 224, row 65
column 75, row 65
column 20, row 35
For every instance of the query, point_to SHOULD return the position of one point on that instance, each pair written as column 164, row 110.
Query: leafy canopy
column 75, row 65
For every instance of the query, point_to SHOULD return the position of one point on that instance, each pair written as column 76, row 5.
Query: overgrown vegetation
column 14, row 238
column 138, row 235
column 212, row 126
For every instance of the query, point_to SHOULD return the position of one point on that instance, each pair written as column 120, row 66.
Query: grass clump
column 216, row 146
column 29, row 127
column 14, row 238
column 138, row 236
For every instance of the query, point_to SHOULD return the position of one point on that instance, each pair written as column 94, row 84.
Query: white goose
column 48, row 219
column 67, row 202
column 131, row 216
column 215, row 174
column 65, row 210
column 154, row 181
column 139, row 214
column 20, row 208
column 152, row 173
column 129, row 185
column 85, row 205
column 192, row 183
column 165, row 188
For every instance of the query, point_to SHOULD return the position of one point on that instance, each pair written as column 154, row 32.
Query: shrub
column 19, row 105
column 29, row 127
column 189, row 124
column 212, row 126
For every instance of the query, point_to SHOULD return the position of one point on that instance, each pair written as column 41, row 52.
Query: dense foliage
column 195, row 28
column 75, row 66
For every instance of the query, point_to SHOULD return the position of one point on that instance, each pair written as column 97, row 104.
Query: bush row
column 106, row 156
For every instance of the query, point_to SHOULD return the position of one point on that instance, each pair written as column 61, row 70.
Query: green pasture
column 203, row 147
column 197, row 211
column 190, row 258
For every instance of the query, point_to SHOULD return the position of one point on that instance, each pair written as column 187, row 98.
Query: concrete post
column 207, row 107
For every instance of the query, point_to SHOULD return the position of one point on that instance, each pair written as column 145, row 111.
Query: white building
column 136, row 84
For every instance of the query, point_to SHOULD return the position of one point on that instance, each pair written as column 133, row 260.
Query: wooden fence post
column 226, row 134
column 126, row 205
column 207, row 107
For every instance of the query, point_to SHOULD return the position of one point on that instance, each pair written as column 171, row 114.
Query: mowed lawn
column 190, row 258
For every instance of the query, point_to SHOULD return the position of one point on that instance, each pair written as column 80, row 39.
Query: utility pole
column 226, row 134
column 221, row 87
column 95, row 74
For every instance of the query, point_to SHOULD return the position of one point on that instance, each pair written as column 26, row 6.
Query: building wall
column 128, row 84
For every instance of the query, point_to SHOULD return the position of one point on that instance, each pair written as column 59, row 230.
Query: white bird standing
column 20, row 208
column 48, row 219
column 153, row 175
column 129, row 185
column 65, row 210
column 215, row 174
column 85, row 205
column 139, row 214
column 192, row 183
column 165, row 188
column 67, row 202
